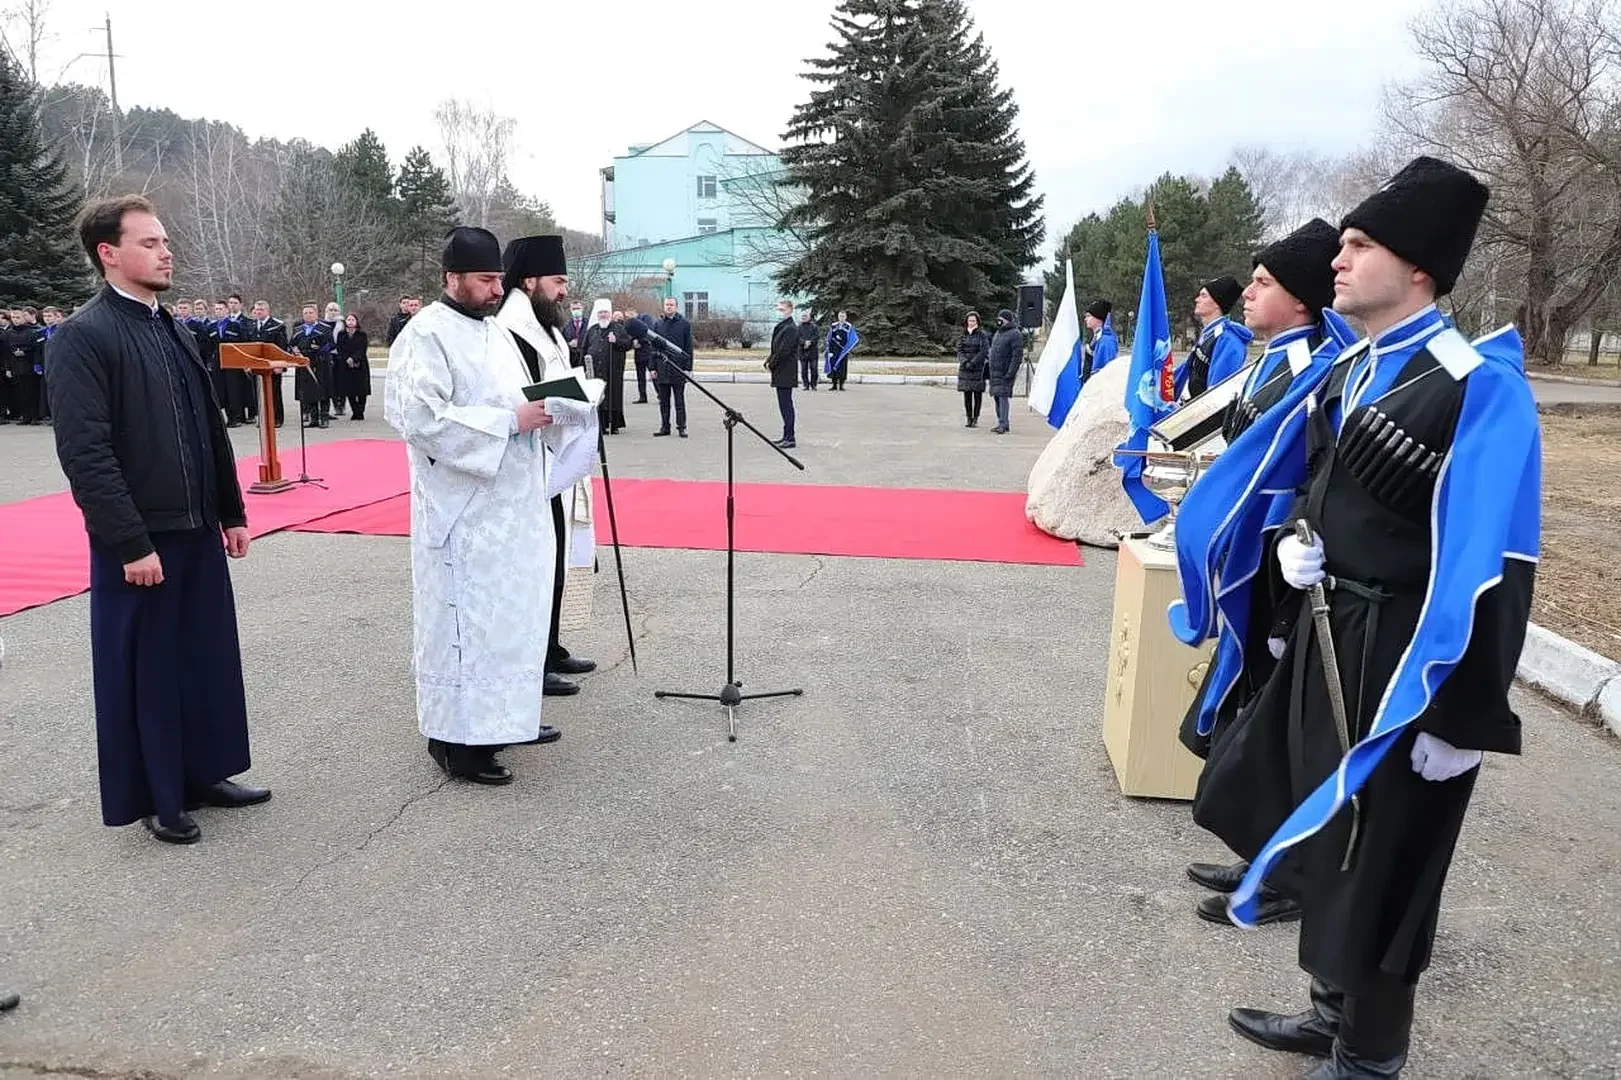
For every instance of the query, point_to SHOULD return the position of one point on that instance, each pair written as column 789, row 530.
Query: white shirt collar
column 151, row 305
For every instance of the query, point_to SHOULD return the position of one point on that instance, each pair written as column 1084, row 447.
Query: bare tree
column 318, row 220
column 220, row 208
column 761, row 201
column 1527, row 94
column 477, row 145
column 29, row 19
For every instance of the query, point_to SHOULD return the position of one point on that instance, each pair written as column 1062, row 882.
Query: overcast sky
column 1110, row 95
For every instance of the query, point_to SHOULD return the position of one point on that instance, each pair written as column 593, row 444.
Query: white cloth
column 574, row 433
column 1437, row 759
column 482, row 546
column 1302, row 564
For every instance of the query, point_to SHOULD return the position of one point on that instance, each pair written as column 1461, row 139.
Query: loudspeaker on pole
column 1031, row 307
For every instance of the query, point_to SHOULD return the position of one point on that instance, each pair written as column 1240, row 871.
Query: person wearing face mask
column 1007, row 350
column 783, row 363
column 482, row 546
column 574, row 333
column 594, row 344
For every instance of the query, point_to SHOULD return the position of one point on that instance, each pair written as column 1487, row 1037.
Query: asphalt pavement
column 923, row 867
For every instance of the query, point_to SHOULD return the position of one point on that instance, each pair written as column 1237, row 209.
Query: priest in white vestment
column 482, row 544
column 534, row 313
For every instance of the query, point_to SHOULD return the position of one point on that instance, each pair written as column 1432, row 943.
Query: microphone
column 639, row 332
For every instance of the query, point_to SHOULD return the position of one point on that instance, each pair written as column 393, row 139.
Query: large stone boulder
column 1074, row 490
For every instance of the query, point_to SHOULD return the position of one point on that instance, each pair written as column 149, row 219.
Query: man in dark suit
column 574, row 333
column 784, row 366
column 670, row 385
column 272, row 331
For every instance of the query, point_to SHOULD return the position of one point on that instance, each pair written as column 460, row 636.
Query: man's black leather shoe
column 9, row 1000
column 1218, row 877
column 1303, row 1033
column 574, row 665
column 547, row 734
column 1274, row 907
column 557, row 686
column 182, row 831
column 228, row 794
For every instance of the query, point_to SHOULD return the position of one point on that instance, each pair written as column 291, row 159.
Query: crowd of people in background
column 23, row 334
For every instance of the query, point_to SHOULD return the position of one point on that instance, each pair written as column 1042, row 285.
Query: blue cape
column 1227, row 354
column 1487, row 509
column 850, row 340
column 1222, row 524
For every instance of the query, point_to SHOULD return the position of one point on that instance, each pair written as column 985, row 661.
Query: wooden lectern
column 264, row 360
column 1152, row 679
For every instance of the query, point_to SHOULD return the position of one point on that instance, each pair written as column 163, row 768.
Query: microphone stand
column 731, row 695
column 304, row 476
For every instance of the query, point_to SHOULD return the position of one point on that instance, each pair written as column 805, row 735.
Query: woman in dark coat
column 353, row 375
column 1007, row 348
column 973, row 353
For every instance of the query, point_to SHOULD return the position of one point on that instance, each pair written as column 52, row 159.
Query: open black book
column 574, row 386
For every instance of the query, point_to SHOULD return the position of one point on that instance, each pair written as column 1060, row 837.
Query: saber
column 1331, row 675
column 613, row 531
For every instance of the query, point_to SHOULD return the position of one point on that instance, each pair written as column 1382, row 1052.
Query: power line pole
column 112, row 86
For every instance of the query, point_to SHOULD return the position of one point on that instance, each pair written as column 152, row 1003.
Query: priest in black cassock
column 142, row 441
column 1347, row 780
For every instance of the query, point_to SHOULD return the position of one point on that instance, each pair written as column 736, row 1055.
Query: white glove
column 1302, row 566
column 570, row 413
column 1437, row 759
column 1275, row 646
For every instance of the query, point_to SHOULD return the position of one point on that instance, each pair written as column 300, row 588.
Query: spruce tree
column 1236, row 224
column 918, row 201
column 364, row 170
column 427, row 213
column 39, row 258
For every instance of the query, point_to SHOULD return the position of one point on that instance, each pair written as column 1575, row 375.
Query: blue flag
column 1149, row 394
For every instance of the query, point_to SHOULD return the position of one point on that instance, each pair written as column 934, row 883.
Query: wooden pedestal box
column 1152, row 679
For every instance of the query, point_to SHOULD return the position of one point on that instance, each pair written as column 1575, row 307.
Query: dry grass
column 1579, row 579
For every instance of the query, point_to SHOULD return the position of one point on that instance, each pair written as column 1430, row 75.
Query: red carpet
column 795, row 519
column 46, row 557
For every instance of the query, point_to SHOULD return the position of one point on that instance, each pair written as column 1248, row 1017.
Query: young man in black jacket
column 783, row 363
column 142, row 441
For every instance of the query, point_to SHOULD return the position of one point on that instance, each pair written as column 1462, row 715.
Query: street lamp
column 337, row 283
column 669, row 279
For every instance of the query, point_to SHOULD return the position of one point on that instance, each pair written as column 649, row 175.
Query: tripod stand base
column 730, row 697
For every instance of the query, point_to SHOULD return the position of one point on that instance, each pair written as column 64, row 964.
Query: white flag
column 1060, row 345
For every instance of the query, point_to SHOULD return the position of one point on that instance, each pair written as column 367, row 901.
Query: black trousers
column 275, row 392
column 785, row 405
column 641, row 374
column 971, row 401
column 25, row 396
column 357, row 407
column 678, row 391
column 1371, row 1028
column 555, row 653
column 808, row 372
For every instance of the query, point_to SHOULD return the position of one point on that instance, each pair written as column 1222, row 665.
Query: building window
column 706, row 187
column 697, row 305
column 706, row 225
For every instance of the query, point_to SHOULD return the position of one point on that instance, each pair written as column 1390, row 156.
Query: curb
column 1574, row 675
column 1575, row 380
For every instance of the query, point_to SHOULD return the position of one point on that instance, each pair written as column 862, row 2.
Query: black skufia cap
column 534, row 256
column 471, row 250
column 1427, row 214
column 1302, row 263
column 1225, row 291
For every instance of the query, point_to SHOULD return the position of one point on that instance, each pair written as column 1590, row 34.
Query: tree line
column 261, row 217
column 1524, row 93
